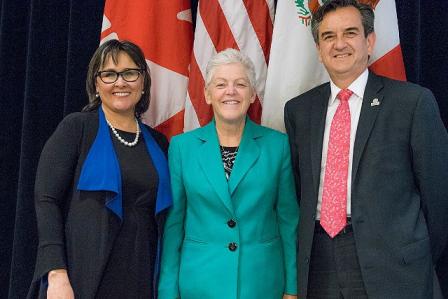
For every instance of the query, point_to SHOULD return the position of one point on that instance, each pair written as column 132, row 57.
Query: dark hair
column 112, row 48
column 366, row 11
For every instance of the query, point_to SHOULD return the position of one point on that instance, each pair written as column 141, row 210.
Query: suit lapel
column 317, row 128
column 367, row 118
column 248, row 154
column 209, row 158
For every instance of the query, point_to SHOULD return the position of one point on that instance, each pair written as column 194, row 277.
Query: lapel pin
column 375, row 102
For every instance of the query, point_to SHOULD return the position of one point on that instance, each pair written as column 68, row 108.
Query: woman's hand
column 286, row 296
column 59, row 285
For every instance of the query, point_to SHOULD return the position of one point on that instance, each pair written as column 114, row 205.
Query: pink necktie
column 333, row 214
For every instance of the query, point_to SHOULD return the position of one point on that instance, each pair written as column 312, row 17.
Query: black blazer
column 76, row 231
column 399, row 184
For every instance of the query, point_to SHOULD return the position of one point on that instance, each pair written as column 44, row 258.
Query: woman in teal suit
column 232, row 230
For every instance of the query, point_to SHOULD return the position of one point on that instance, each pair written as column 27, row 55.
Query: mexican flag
column 294, row 67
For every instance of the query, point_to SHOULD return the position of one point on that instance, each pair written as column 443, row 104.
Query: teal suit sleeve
column 288, row 217
column 174, row 229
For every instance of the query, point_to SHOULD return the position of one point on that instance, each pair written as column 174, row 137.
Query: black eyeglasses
column 129, row 75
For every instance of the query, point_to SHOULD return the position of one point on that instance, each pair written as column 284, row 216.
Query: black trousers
column 334, row 268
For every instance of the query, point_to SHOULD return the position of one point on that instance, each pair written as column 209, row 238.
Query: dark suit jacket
column 64, row 214
column 399, row 184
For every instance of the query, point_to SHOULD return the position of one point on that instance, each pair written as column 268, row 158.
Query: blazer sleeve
column 288, row 218
column 174, row 228
column 54, row 179
column 289, row 125
column 429, row 144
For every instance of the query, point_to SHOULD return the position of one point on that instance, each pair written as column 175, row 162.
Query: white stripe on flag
column 386, row 29
column 247, row 40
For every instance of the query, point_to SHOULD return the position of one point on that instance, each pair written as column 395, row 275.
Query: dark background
column 45, row 47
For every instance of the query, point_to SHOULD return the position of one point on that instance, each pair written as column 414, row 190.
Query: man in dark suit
column 370, row 156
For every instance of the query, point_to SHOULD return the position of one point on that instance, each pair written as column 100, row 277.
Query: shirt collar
column 358, row 87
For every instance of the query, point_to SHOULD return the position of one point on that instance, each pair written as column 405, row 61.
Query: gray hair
column 366, row 11
column 229, row 56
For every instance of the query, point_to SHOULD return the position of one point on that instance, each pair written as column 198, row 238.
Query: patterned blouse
column 228, row 155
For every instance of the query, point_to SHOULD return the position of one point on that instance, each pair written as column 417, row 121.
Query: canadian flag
column 164, row 31
column 245, row 25
column 294, row 67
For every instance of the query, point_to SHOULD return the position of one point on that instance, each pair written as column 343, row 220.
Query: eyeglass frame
column 119, row 74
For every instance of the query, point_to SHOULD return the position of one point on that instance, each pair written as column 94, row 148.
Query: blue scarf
column 101, row 170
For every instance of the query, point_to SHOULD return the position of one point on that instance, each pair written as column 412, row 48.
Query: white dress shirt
column 355, row 102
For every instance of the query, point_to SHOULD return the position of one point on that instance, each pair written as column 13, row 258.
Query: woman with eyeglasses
column 102, row 188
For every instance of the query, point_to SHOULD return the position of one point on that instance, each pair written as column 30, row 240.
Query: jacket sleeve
column 288, row 217
column 290, row 130
column 429, row 145
column 174, row 228
column 54, row 180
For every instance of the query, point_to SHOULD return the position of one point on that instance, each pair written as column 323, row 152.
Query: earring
column 97, row 95
column 143, row 92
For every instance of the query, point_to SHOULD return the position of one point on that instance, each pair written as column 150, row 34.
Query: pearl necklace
column 130, row 144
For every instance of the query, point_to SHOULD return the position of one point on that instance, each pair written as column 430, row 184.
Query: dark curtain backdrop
column 45, row 46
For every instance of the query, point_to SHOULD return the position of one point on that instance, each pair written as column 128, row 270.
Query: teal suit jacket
column 198, row 260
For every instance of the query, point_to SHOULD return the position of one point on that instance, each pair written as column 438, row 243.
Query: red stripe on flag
column 106, row 33
column 196, row 93
column 390, row 65
column 260, row 18
column 255, row 111
column 216, row 24
column 173, row 125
